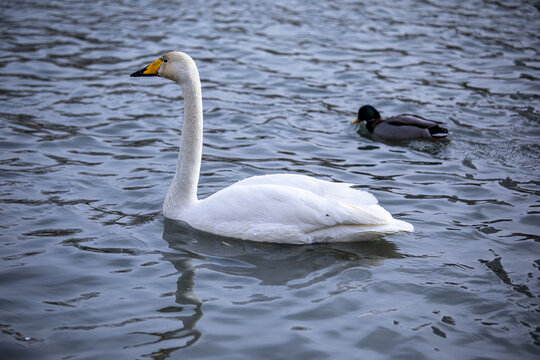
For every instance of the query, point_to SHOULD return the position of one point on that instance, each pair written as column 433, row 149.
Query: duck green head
column 367, row 113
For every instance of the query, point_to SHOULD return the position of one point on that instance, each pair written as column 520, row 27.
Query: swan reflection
column 291, row 266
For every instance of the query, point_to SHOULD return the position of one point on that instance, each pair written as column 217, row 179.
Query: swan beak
column 150, row 70
column 354, row 122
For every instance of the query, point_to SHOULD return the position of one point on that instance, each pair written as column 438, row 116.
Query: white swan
column 282, row 208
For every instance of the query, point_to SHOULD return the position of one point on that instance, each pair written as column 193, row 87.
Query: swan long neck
column 183, row 190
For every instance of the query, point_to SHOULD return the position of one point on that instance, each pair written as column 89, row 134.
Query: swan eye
column 165, row 60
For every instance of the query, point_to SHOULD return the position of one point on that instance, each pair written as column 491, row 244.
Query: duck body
column 400, row 127
column 281, row 208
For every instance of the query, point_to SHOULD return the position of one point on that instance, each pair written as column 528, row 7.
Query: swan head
column 367, row 113
column 175, row 65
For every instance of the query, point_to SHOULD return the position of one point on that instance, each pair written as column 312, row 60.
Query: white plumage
column 282, row 208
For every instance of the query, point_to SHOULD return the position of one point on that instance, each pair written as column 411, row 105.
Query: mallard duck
column 283, row 208
column 400, row 127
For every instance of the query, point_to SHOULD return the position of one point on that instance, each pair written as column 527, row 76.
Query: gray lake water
column 90, row 269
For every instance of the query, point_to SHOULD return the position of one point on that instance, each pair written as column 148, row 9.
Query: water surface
column 90, row 269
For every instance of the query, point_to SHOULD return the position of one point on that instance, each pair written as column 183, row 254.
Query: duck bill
column 150, row 70
column 354, row 122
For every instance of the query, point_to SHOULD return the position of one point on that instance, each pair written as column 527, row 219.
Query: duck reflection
column 271, row 264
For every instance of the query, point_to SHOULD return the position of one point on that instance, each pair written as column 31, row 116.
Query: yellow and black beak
column 150, row 70
column 354, row 122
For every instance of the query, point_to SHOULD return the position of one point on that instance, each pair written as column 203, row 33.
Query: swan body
column 282, row 208
column 400, row 127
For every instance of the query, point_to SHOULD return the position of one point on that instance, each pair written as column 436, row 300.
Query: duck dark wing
column 412, row 120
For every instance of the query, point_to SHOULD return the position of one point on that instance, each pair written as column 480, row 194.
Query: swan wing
column 326, row 189
column 282, row 213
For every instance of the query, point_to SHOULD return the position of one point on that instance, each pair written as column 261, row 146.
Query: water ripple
column 88, row 154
